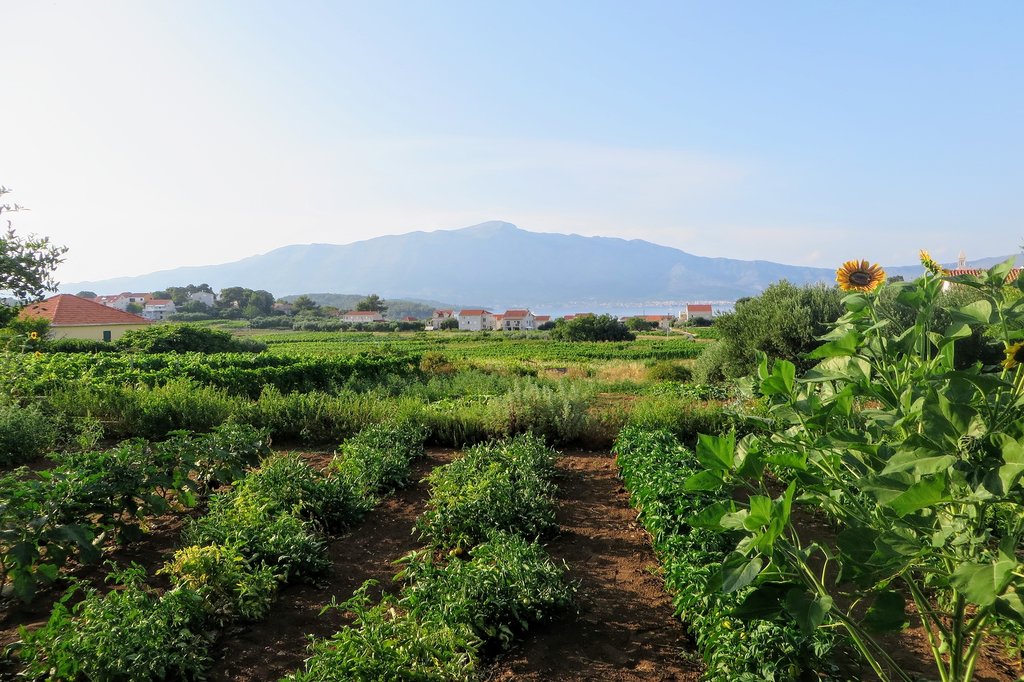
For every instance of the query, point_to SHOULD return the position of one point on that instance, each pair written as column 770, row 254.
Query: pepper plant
column 916, row 465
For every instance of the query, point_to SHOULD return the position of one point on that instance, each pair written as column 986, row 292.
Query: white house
column 697, row 311
column 204, row 297
column 158, row 309
column 440, row 316
column 362, row 316
column 475, row 319
column 515, row 320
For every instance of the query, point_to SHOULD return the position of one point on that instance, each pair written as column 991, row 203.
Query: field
column 408, row 506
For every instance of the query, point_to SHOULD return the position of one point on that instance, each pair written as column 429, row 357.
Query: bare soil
column 625, row 629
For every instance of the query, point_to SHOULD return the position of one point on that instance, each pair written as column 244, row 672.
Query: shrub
column 25, row 433
column 69, row 345
column 784, row 321
column 385, row 643
column 591, row 328
column 263, row 533
column 449, row 324
column 503, row 486
column 286, row 483
column 377, row 460
column 231, row 587
column 669, row 371
column 507, row 582
column 126, row 634
column 558, row 413
column 185, row 338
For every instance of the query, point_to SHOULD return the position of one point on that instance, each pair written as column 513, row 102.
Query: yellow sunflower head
column 1014, row 355
column 859, row 276
column 33, row 335
column 931, row 265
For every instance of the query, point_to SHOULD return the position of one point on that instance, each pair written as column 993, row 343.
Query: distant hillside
column 397, row 308
column 495, row 264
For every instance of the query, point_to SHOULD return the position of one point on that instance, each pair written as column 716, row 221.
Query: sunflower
column 1014, row 355
column 930, row 265
column 33, row 335
column 859, row 276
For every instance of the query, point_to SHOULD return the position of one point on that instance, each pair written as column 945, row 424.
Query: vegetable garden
column 860, row 518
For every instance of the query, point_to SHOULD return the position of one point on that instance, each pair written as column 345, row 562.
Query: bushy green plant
column 906, row 452
column 557, row 412
column 185, row 338
column 286, row 483
column 230, row 586
column 126, row 634
column 263, row 532
column 656, row 469
column 25, row 433
column 378, row 459
column 70, row 345
column 501, row 486
column 784, row 321
column 386, row 643
column 669, row 371
column 505, row 583
column 591, row 328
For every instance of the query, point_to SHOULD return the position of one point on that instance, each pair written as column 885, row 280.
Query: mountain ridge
column 492, row 261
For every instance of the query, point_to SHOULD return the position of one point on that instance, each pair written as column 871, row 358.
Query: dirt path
column 625, row 630
column 276, row 646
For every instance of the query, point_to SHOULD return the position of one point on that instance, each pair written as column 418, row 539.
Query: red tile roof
column 516, row 314
column 542, row 318
column 698, row 307
column 363, row 313
column 66, row 310
column 158, row 301
column 1010, row 277
column 474, row 312
column 656, row 318
column 443, row 313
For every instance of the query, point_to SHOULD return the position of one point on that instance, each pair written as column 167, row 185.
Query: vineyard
column 448, row 506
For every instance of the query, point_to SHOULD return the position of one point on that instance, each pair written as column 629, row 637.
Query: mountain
column 491, row 263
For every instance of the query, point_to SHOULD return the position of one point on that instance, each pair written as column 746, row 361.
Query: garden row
column 481, row 580
column 238, row 373
column 656, row 469
column 90, row 498
column 485, row 345
column 266, row 530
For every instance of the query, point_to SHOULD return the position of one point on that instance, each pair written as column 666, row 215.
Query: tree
column 639, row 324
column 26, row 263
column 304, row 304
column 591, row 328
column 449, row 323
column 134, row 308
column 86, row 294
column 372, row 302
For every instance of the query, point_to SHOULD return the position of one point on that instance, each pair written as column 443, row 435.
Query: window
column 106, row 335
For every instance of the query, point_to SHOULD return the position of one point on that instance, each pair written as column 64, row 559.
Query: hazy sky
column 147, row 135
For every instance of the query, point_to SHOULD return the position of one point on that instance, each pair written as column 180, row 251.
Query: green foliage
column 50, row 516
column 658, row 473
column 374, row 303
column 496, row 486
column 286, row 483
column 25, row 433
column 27, row 264
column 126, row 634
column 669, row 371
column 70, row 345
column 591, row 328
column 557, row 412
column 230, row 586
column 906, row 451
column 784, row 322
column 185, row 338
column 506, row 584
column 263, row 532
column 384, row 643
column 449, row 324
column 378, row 459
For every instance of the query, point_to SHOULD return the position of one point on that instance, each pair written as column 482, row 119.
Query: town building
column 73, row 317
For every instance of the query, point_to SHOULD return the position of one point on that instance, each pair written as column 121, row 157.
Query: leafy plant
column 907, row 453
column 231, row 587
column 25, row 433
column 130, row 633
column 377, row 460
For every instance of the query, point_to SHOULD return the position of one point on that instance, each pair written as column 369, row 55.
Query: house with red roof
column 73, row 317
column 475, row 319
column 440, row 316
column 515, row 321
column 696, row 311
column 664, row 322
column 158, row 309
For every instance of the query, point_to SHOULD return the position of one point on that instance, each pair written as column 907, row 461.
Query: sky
column 151, row 135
